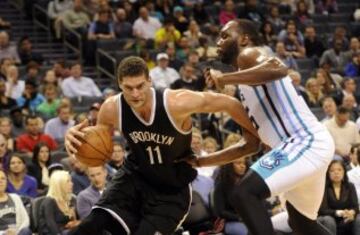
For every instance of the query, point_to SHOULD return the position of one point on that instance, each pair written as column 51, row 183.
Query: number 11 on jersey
column 157, row 152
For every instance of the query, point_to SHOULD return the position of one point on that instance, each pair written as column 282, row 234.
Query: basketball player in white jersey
column 301, row 146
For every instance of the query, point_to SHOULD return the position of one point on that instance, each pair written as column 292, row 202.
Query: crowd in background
column 41, row 99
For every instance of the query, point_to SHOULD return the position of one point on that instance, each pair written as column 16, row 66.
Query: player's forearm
column 267, row 71
column 227, row 155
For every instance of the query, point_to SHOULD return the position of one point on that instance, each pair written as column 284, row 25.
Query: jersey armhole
column 119, row 113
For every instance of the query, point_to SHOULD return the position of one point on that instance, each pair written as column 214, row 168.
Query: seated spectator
column 48, row 108
column 56, row 9
column 77, row 85
column 30, row 98
column 352, row 69
column 340, row 35
column 334, row 57
column 145, row 55
column 353, row 173
column 7, row 50
column 274, row 18
column 4, row 154
column 354, row 49
column 340, row 205
column 293, row 40
column 326, row 7
column 6, row 131
column 78, row 176
column 329, row 107
column 57, row 127
column 41, row 160
column 227, row 13
column 167, row 34
column 174, row 62
column 4, row 24
column 27, row 141
column 210, row 145
column 268, row 34
column 117, row 157
column 188, row 79
column 302, row 15
column 197, row 142
column 145, row 26
column 57, row 211
column 181, row 23
column 26, row 52
column 348, row 86
column 92, row 115
column 122, row 27
column 61, row 70
column 76, row 18
column 183, row 49
column 13, row 216
column 349, row 102
column 313, row 45
column 314, row 95
column 5, row 101
column 162, row 75
column 252, row 12
column 32, row 72
column 153, row 11
column 14, row 86
column 205, row 50
column 19, row 182
column 87, row 198
column 343, row 131
column 285, row 56
column 229, row 175
column 193, row 34
column 102, row 28
column 5, row 63
column 296, row 81
column 329, row 82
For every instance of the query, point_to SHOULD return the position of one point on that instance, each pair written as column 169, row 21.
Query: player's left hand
column 212, row 77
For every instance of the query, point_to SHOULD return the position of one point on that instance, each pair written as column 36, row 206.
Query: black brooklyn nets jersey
column 156, row 144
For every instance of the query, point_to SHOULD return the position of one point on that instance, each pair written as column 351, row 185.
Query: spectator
column 313, row 45
column 197, row 142
column 199, row 13
column 7, row 50
column 193, row 34
column 4, row 24
column 5, row 63
column 326, row 7
column 6, row 131
column 329, row 107
column 76, row 18
column 60, row 70
column 285, row 56
column 57, row 211
column 89, row 196
column 343, row 131
column 227, row 13
column 145, row 55
column 5, row 101
column 314, row 95
column 210, row 145
column 354, row 49
column 229, row 175
column 167, row 34
column 77, row 85
column 268, row 34
column 12, row 211
column 27, row 141
column 93, row 113
column 188, row 79
column 41, row 160
column 51, row 103
column 162, row 75
column 145, row 26
column 78, row 176
column 183, row 49
column 174, row 62
column 334, row 57
column 19, row 182
column 32, row 72
column 4, row 154
column 293, row 40
column 348, row 86
column 339, row 34
column 103, row 27
column 329, row 83
column 30, row 98
column 14, row 86
column 353, row 174
column 349, row 102
column 251, row 12
column 302, row 15
column 26, row 52
column 296, row 81
column 57, row 127
column 154, row 12
column 340, row 205
column 117, row 157
column 180, row 21
column 57, row 7
column 122, row 27
column 205, row 50
column 275, row 19
column 352, row 69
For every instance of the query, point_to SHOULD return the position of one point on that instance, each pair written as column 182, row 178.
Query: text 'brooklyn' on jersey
column 155, row 144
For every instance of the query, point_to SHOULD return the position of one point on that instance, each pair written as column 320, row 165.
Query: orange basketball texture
column 96, row 147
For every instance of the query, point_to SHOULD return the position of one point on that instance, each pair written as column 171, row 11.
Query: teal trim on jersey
column 267, row 113
column 278, row 158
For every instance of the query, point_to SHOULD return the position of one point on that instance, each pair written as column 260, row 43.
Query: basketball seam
column 101, row 139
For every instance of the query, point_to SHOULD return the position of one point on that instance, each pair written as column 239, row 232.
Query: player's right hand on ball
column 72, row 137
column 212, row 77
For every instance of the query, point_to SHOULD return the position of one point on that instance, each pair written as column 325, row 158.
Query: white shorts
column 297, row 168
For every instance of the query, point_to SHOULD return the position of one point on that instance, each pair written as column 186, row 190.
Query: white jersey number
column 152, row 152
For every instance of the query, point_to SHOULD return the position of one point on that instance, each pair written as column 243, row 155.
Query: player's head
column 134, row 81
column 236, row 35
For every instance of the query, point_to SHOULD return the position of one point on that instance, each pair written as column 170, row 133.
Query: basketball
column 96, row 147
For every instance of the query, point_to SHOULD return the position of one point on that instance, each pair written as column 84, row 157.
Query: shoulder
column 251, row 57
column 30, row 180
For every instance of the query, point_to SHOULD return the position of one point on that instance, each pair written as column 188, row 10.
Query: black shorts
column 131, row 200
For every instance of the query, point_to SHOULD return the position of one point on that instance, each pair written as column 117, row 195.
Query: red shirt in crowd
column 26, row 142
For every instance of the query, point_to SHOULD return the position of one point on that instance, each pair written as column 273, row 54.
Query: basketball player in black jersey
column 150, row 194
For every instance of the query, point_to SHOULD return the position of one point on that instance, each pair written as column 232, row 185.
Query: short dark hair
column 343, row 110
column 30, row 117
column 132, row 66
column 251, row 29
column 75, row 63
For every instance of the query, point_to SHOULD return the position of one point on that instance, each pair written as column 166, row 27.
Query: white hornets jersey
column 278, row 112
